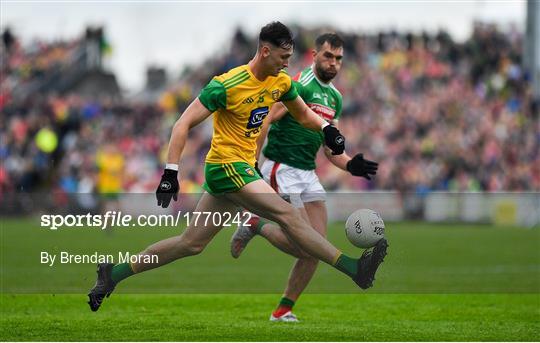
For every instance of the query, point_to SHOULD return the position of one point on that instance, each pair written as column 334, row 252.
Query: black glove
column 168, row 188
column 258, row 170
column 358, row 166
column 334, row 139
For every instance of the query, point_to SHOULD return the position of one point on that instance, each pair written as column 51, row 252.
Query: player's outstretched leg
column 191, row 242
column 259, row 198
column 272, row 232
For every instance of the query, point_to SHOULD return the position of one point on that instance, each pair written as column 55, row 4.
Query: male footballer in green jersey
column 240, row 101
column 290, row 167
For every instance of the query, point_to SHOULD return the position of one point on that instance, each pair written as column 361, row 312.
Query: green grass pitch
column 438, row 283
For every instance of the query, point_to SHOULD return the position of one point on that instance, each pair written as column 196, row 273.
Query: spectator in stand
column 436, row 114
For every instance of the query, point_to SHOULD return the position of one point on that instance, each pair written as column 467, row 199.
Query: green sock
column 286, row 302
column 121, row 271
column 346, row 264
column 259, row 225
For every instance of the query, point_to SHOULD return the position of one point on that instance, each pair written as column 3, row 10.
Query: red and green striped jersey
column 291, row 143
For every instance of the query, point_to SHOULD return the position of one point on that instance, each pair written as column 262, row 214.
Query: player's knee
column 290, row 218
column 196, row 249
column 190, row 248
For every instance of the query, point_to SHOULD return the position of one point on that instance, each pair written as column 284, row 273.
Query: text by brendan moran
column 65, row 257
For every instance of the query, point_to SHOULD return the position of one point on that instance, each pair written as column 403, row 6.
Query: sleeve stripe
column 236, row 82
column 235, row 78
column 307, row 80
column 306, row 76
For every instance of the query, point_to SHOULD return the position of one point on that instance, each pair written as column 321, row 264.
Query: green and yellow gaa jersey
column 240, row 102
column 291, row 143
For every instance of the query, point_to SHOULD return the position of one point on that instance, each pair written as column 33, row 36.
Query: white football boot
column 287, row 317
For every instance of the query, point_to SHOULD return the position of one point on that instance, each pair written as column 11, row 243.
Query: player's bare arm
column 304, row 115
column 339, row 161
column 276, row 113
column 192, row 116
column 168, row 187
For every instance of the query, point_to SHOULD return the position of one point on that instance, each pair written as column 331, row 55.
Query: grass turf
column 229, row 317
column 501, row 266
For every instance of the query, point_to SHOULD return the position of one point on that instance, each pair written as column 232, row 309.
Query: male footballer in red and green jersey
column 240, row 100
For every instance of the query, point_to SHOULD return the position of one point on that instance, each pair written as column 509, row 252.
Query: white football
column 364, row 228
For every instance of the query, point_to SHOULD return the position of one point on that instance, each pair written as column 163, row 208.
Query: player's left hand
column 358, row 166
column 334, row 139
column 168, row 188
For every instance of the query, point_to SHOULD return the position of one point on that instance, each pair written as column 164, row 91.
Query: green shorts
column 228, row 177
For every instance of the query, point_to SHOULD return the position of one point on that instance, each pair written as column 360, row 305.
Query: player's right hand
column 334, row 139
column 168, row 188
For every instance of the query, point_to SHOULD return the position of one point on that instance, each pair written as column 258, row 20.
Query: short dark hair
column 333, row 39
column 277, row 34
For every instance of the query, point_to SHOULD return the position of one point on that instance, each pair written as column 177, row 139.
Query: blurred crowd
column 436, row 115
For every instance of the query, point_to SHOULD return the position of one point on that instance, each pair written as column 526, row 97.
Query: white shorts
column 299, row 185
